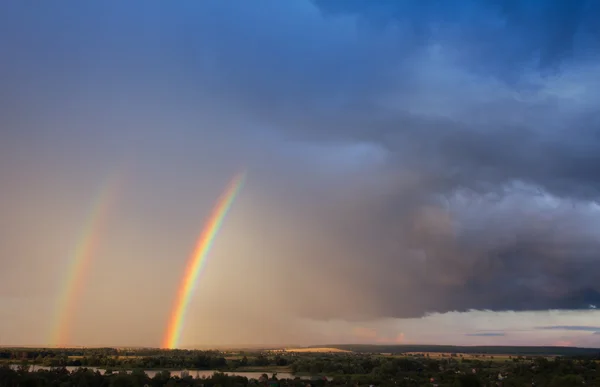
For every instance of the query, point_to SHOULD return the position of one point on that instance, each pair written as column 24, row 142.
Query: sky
column 417, row 171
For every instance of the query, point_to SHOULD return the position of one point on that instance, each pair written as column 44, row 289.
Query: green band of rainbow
column 81, row 258
column 197, row 261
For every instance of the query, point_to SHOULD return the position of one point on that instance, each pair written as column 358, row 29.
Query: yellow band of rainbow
column 81, row 258
column 197, row 261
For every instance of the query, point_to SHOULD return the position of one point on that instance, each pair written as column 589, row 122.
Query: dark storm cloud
column 484, row 114
column 549, row 32
column 410, row 255
column 501, row 40
column 487, row 334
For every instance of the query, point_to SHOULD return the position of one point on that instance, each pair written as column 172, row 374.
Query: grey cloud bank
column 478, row 189
column 570, row 328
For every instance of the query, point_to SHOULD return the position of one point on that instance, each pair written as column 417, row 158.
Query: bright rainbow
column 81, row 258
column 197, row 261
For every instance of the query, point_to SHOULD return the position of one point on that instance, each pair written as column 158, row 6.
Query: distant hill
column 491, row 350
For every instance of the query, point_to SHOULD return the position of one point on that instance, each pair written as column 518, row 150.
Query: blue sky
column 417, row 172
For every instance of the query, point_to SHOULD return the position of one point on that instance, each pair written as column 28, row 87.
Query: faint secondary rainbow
column 81, row 257
column 198, row 259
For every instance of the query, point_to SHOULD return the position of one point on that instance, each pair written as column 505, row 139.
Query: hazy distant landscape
column 362, row 348
column 490, row 350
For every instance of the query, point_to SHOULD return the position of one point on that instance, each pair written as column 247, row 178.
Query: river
column 192, row 373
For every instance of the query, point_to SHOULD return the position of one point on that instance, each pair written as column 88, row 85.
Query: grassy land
column 318, row 350
column 114, row 357
column 236, row 357
column 446, row 355
column 268, row 369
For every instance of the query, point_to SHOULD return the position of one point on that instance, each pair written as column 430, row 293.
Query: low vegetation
column 130, row 367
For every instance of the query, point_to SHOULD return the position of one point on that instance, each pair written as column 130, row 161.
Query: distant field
column 480, row 356
column 472, row 350
column 318, row 350
column 267, row 369
column 235, row 357
column 120, row 357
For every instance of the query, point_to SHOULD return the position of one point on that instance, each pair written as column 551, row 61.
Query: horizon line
column 280, row 347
